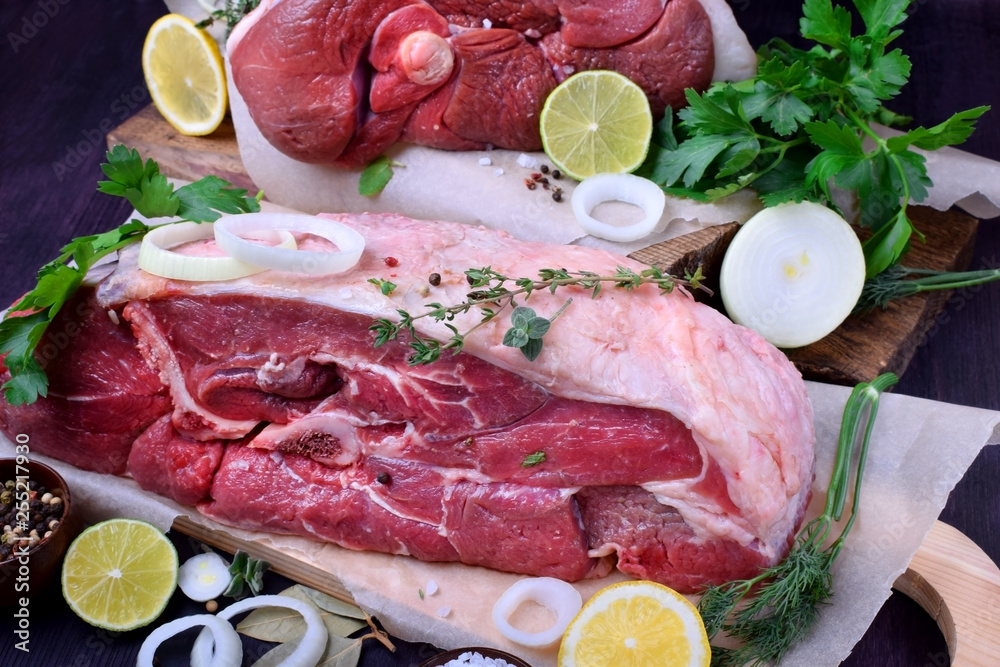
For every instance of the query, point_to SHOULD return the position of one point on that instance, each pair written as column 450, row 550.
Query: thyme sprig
column 230, row 14
column 494, row 292
column 896, row 283
column 771, row 612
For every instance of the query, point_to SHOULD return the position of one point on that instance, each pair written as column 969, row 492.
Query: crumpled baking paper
column 920, row 450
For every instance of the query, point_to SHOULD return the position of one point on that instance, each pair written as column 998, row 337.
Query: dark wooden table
column 71, row 71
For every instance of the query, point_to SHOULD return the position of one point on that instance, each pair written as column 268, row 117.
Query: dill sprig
column 771, row 612
column 494, row 292
column 896, row 283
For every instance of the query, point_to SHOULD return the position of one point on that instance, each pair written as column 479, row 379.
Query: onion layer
column 309, row 650
column 793, row 273
column 559, row 597
column 229, row 233
column 204, row 577
column 626, row 188
column 228, row 647
column 156, row 257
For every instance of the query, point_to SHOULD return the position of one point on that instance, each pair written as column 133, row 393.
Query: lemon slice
column 119, row 574
column 596, row 122
column 636, row 624
column 185, row 75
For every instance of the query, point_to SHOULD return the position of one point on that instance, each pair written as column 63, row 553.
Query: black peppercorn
column 434, row 279
column 384, row 478
column 556, row 173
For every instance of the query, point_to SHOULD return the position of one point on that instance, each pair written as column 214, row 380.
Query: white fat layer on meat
column 159, row 355
column 735, row 59
column 744, row 402
column 393, row 508
column 279, row 460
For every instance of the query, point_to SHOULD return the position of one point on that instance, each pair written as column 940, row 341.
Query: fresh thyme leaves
column 772, row 611
column 492, row 295
column 527, row 330
column 895, row 283
column 230, row 14
column 247, row 576
column 152, row 195
column 384, row 286
column 800, row 125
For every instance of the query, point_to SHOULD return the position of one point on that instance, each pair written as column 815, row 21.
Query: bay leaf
column 341, row 618
column 339, row 652
column 334, row 605
column 273, row 624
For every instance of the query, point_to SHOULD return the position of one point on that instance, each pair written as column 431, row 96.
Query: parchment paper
column 920, row 450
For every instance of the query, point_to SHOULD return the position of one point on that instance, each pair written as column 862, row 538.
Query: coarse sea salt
column 476, row 659
column 485, row 162
column 526, row 161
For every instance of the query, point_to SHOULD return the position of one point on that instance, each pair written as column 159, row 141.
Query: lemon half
column 185, row 75
column 596, row 122
column 636, row 624
column 119, row 574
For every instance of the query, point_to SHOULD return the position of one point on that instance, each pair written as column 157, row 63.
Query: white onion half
column 309, row 650
column 559, row 597
column 228, row 646
column 230, row 232
column 156, row 257
column 204, row 577
column 793, row 273
column 626, row 188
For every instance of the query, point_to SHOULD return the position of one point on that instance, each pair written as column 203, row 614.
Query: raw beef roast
column 650, row 431
column 339, row 81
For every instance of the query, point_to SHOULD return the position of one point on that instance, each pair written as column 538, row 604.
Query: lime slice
column 596, row 122
column 119, row 574
column 185, row 75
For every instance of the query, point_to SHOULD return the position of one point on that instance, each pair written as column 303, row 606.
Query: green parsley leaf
column 533, row 459
column 826, row 24
column 375, row 177
column 804, row 124
column 205, row 200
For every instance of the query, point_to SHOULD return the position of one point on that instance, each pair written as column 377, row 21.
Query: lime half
column 119, row 574
column 596, row 122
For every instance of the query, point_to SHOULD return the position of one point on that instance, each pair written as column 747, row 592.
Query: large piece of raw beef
column 339, row 81
column 672, row 439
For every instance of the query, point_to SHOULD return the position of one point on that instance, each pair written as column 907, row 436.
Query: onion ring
column 559, row 597
column 155, row 256
column 306, row 654
column 230, row 230
column 626, row 188
column 229, row 651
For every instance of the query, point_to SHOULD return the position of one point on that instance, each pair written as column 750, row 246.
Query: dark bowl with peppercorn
column 38, row 524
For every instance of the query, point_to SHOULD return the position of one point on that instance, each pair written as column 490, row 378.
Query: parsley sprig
column 492, row 295
column 804, row 124
column 153, row 196
column 772, row 611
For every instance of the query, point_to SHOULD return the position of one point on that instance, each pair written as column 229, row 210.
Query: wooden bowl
column 443, row 658
column 29, row 574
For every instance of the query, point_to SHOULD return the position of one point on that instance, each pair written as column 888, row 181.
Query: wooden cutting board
column 862, row 348
column 950, row 577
